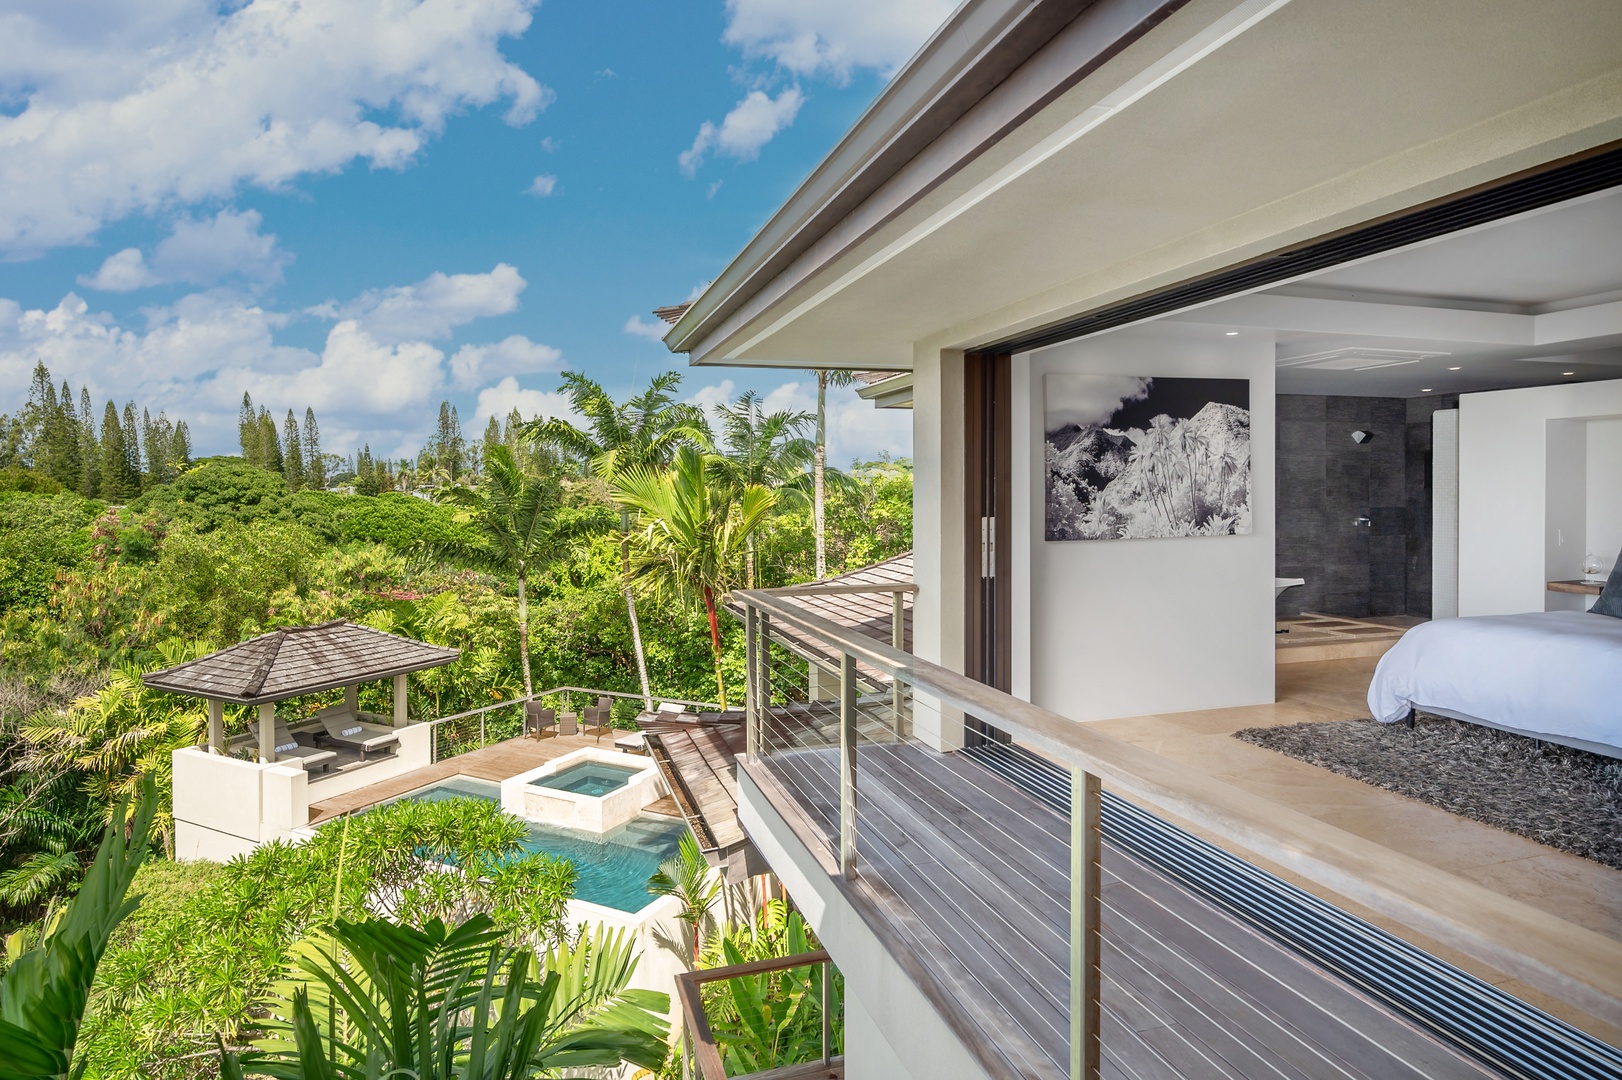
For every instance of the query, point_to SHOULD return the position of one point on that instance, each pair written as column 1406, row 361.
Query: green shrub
column 39, row 536
column 217, row 492
column 401, row 521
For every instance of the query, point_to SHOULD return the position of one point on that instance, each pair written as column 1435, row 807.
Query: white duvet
column 1549, row 673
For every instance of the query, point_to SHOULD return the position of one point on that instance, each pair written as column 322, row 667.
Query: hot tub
column 591, row 789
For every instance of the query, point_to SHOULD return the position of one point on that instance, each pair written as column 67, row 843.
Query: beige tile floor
column 1579, row 891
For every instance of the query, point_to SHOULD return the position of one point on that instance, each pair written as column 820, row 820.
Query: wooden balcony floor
column 972, row 876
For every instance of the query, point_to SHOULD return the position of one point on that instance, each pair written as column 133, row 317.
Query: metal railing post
column 898, row 639
column 751, row 701
column 827, row 1020
column 763, row 677
column 847, row 764
column 481, row 730
column 1085, row 941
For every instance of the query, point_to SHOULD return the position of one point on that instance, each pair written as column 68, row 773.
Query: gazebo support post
column 352, row 699
column 399, row 701
column 216, row 726
column 267, row 732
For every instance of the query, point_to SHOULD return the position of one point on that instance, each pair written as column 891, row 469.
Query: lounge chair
column 346, row 729
column 288, row 747
column 537, row 720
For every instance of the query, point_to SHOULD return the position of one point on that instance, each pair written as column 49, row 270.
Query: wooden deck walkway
column 971, row 877
column 700, row 762
column 497, row 761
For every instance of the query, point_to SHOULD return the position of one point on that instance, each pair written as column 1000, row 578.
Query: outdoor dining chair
column 538, row 721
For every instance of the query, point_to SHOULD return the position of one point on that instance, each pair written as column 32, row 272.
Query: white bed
column 1554, row 675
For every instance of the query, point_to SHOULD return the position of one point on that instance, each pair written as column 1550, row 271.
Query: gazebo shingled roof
column 298, row 660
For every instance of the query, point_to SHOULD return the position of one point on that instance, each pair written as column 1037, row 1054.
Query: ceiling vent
column 1357, row 359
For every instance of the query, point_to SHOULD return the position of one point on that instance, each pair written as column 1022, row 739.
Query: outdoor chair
column 288, row 747
column 344, row 728
column 598, row 721
column 539, row 722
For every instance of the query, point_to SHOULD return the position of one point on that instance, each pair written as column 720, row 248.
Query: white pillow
column 351, row 731
column 286, row 748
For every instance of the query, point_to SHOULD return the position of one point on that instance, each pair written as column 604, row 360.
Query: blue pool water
column 588, row 778
column 612, row 869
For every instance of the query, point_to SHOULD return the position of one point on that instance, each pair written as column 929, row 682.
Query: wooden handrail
column 842, row 590
column 1569, row 962
column 706, row 1054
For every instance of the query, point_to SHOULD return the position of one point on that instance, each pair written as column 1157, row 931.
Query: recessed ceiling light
column 1425, row 390
column 1453, row 369
column 1233, row 333
column 1568, row 373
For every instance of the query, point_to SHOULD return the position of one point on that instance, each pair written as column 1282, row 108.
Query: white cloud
column 542, row 186
column 514, row 355
column 748, row 127
column 856, row 430
column 434, row 306
column 195, row 358
column 550, row 145
column 653, row 330
column 198, row 253
column 832, row 38
column 507, row 395
column 128, row 108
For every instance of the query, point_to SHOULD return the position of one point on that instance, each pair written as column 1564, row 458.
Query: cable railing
column 475, row 729
column 849, row 729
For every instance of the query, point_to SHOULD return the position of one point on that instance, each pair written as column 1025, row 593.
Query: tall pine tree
column 315, row 465
column 67, row 467
column 292, row 453
column 180, row 447
column 248, row 430
column 269, row 442
column 132, row 444
column 89, row 446
column 120, row 482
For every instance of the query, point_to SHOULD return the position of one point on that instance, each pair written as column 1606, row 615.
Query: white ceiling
column 1529, row 301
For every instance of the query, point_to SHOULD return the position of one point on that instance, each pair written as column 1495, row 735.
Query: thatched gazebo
column 292, row 662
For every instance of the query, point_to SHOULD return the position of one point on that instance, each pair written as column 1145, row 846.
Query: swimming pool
column 612, row 869
column 593, row 778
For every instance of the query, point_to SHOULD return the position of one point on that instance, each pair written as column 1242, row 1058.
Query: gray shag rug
column 1568, row 799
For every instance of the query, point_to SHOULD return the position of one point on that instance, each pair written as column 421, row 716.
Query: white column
column 352, row 699
column 216, row 726
column 267, row 732
column 937, row 530
column 400, row 716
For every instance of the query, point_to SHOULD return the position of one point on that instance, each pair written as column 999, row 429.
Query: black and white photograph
column 1131, row 457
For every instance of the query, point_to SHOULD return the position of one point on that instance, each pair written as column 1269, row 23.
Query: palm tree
column 520, row 526
column 686, row 876
column 697, row 527
column 768, row 449
column 643, row 432
column 46, row 989
column 825, row 379
column 116, row 738
column 377, row 999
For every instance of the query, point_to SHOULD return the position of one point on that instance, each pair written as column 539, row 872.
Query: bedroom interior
column 1446, row 441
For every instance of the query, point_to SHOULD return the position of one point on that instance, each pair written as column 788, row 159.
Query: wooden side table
column 1581, row 588
column 568, row 724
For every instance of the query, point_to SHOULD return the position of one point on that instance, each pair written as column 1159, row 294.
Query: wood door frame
column 987, row 521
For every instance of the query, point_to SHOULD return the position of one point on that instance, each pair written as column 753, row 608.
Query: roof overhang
column 892, row 393
column 1031, row 165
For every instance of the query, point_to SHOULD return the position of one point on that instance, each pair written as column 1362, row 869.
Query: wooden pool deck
column 497, row 762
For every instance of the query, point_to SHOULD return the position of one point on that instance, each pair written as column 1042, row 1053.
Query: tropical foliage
column 380, row 998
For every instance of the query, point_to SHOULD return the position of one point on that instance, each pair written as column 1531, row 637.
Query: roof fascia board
column 979, row 47
column 1240, row 19
column 312, row 688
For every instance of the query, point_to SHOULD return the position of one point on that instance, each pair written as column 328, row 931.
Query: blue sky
column 369, row 206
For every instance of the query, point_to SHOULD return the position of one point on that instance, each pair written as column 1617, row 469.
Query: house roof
column 870, row 614
column 673, row 313
column 298, row 660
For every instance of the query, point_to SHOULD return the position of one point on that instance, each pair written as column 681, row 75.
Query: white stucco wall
column 1605, row 488
column 1524, row 513
column 1134, row 627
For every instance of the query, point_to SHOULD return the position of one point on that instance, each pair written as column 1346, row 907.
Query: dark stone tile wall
column 1325, row 482
column 1418, row 482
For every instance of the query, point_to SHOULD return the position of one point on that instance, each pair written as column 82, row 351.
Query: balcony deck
column 970, row 876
